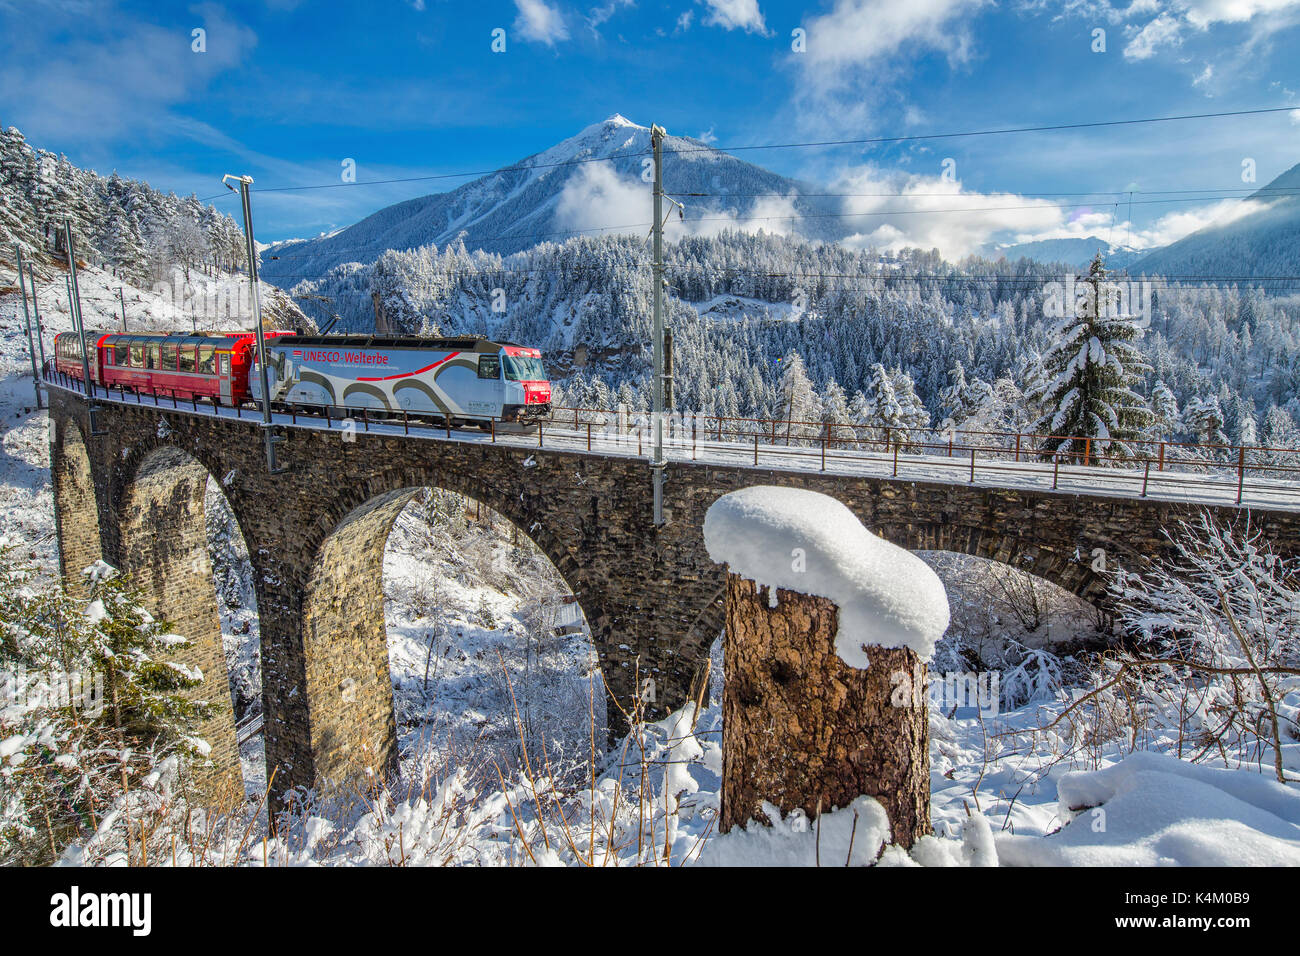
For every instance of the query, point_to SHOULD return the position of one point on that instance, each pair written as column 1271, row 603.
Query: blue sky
column 287, row 89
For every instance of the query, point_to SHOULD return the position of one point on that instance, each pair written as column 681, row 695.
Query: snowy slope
column 1265, row 242
column 1075, row 252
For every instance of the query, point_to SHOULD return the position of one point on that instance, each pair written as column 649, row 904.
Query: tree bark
column 801, row 727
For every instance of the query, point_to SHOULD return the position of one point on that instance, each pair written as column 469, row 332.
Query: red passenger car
column 211, row 366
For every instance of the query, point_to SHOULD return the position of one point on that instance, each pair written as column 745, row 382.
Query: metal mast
column 36, row 311
column 31, row 347
column 657, row 459
column 268, row 433
column 74, row 308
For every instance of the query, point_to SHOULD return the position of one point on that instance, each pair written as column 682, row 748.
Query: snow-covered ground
column 739, row 308
column 471, row 608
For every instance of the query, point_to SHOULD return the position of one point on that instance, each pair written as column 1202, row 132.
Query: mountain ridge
column 517, row 206
column 1265, row 242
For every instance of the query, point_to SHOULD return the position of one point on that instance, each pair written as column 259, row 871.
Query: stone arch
column 348, row 686
column 160, row 541
column 76, row 505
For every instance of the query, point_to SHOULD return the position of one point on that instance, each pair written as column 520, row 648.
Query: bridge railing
column 967, row 450
column 843, row 440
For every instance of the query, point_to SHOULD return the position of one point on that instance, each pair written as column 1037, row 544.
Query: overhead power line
column 875, row 278
column 867, row 141
column 918, row 137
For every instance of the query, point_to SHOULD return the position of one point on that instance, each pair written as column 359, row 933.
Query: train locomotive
column 464, row 380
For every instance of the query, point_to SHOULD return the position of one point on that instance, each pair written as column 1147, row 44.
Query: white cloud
column 859, row 32
column 735, row 15
column 930, row 212
column 606, row 11
column 1202, row 13
column 596, row 197
column 1164, row 30
column 854, row 50
column 888, row 210
column 539, row 22
column 1175, row 225
column 1234, row 35
column 116, row 76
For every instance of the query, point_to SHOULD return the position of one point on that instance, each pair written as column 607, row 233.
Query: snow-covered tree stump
column 828, row 631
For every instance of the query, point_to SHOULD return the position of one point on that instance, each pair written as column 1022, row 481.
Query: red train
column 212, row 366
column 458, row 380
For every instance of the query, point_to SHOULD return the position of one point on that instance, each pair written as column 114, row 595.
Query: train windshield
column 521, row 368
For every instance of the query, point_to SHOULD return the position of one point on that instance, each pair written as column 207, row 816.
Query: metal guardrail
column 249, row 728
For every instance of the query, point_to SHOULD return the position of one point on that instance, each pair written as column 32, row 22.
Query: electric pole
column 74, row 308
column 657, row 269
column 36, row 311
column 31, row 348
column 268, row 428
column 121, row 297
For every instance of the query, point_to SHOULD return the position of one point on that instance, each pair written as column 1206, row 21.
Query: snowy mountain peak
column 618, row 119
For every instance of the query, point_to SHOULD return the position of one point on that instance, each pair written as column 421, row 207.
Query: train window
column 151, row 356
column 521, row 368
column 207, row 359
column 489, row 366
column 223, row 359
column 137, row 355
column 187, row 358
column 169, row 357
column 121, row 354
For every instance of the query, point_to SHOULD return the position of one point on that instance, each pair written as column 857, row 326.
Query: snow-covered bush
column 1213, row 659
column 66, row 759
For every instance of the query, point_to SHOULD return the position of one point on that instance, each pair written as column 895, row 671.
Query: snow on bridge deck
column 1185, row 487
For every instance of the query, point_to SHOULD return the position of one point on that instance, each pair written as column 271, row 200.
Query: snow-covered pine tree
column 798, row 399
column 859, row 413
column 1091, row 407
column 835, row 412
column 884, row 414
column 953, row 396
column 1165, row 415
column 81, row 753
column 1203, row 417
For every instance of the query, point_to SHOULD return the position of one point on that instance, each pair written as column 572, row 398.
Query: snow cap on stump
column 887, row 596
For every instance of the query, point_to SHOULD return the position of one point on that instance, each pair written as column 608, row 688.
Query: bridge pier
column 162, row 546
column 76, row 498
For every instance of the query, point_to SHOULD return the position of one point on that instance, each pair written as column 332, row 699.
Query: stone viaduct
column 316, row 536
